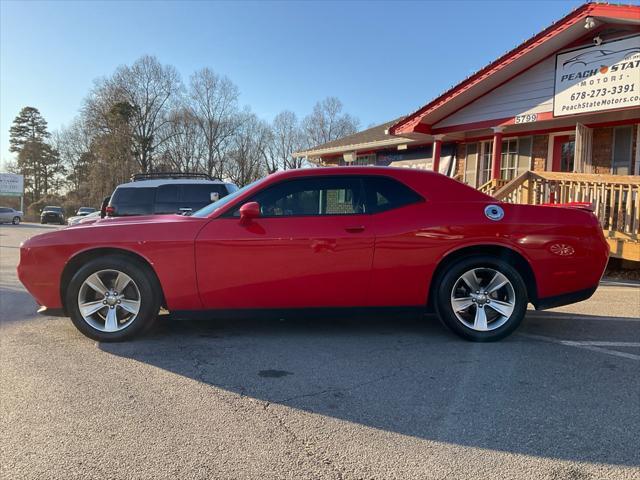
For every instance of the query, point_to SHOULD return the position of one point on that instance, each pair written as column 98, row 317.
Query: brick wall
column 539, row 152
column 601, row 150
column 462, row 157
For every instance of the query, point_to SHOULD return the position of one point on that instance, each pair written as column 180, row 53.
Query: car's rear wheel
column 16, row 220
column 481, row 298
column 113, row 298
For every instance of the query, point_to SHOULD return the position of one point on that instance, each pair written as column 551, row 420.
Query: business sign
column 597, row 78
column 11, row 184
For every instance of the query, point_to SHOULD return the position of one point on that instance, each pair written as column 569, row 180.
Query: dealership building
column 556, row 120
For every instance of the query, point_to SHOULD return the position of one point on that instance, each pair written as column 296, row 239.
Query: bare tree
column 246, row 160
column 327, row 123
column 286, row 138
column 213, row 99
column 185, row 146
column 143, row 94
column 74, row 145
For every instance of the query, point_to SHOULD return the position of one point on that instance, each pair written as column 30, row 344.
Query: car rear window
column 133, row 201
column 187, row 197
column 386, row 193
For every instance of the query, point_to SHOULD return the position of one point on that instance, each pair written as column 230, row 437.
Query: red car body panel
column 369, row 260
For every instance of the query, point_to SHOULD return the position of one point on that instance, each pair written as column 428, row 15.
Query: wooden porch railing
column 615, row 198
column 492, row 186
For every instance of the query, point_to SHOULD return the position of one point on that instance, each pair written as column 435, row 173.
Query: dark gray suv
column 165, row 196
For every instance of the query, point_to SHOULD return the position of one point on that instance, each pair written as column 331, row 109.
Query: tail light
column 110, row 211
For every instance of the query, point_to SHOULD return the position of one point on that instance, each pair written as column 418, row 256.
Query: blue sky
column 382, row 59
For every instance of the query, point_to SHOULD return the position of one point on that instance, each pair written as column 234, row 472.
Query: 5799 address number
column 531, row 117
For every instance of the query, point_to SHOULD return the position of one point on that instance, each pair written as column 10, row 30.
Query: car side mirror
column 249, row 211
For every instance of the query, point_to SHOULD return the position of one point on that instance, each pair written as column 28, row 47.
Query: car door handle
column 355, row 229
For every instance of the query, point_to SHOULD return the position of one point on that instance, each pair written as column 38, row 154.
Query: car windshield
column 53, row 209
column 212, row 207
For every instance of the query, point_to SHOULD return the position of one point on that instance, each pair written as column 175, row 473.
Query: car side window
column 312, row 196
column 385, row 193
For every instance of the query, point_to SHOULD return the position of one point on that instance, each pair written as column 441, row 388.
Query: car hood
column 108, row 228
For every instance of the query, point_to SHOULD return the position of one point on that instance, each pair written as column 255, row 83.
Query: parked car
column 148, row 195
column 9, row 215
column 52, row 215
column 333, row 238
column 92, row 216
column 82, row 211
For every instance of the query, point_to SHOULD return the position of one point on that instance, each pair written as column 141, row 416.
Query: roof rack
column 158, row 175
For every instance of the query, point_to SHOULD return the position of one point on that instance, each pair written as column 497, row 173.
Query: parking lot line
column 591, row 345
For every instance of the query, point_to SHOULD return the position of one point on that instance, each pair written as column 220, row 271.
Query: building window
column 471, row 165
column 509, row 160
column 369, row 159
column 485, row 162
column 622, row 150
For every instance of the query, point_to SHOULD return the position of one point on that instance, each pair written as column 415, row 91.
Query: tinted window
column 178, row 198
column 386, row 193
column 201, row 193
column 312, row 196
column 133, row 201
column 53, row 209
column 209, row 209
column 4, row 210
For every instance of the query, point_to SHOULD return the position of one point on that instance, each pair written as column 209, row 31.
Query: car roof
column 352, row 170
column 168, row 181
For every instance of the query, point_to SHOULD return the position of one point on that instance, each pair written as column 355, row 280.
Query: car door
column 312, row 246
column 405, row 252
column 5, row 213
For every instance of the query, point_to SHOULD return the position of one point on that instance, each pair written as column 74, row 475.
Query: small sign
column 11, row 184
column 597, row 78
column 529, row 118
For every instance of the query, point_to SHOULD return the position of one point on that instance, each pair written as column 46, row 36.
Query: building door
column 564, row 149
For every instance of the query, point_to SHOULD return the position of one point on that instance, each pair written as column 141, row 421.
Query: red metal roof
column 412, row 122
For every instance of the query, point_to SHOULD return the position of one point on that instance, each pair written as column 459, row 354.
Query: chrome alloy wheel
column 109, row 300
column 483, row 299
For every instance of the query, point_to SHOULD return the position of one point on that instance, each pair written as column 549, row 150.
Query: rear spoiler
column 588, row 206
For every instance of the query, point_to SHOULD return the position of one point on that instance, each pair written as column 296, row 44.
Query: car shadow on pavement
column 411, row 376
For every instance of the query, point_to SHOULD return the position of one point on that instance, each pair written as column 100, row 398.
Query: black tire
column 43, row 222
column 447, row 282
column 144, row 278
column 16, row 220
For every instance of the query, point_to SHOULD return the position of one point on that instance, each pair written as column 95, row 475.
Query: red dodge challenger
column 354, row 238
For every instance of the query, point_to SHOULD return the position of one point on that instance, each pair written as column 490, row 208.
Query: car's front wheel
column 16, row 220
column 481, row 298
column 113, row 298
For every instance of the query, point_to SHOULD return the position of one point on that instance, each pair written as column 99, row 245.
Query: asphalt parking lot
column 339, row 398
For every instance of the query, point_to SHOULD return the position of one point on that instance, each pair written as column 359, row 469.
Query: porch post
column 497, row 152
column 437, row 147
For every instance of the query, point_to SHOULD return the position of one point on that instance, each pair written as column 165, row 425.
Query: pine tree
column 37, row 160
column 28, row 126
